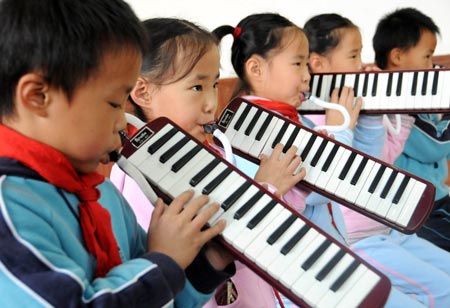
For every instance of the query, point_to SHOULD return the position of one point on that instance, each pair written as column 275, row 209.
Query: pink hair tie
column 237, row 31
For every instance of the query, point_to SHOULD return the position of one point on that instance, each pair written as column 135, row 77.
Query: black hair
column 400, row 29
column 64, row 40
column 174, row 48
column 259, row 34
column 323, row 31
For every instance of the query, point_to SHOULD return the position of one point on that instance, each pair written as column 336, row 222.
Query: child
column 273, row 69
column 335, row 46
column 67, row 236
column 405, row 40
column 179, row 81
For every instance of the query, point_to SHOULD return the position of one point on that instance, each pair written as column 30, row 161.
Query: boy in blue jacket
column 67, row 237
column 405, row 40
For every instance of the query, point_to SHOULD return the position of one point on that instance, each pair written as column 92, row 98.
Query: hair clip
column 237, row 32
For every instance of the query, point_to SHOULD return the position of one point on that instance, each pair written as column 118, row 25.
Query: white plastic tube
column 388, row 124
column 327, row 105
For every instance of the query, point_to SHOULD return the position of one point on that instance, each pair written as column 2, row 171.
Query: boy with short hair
column 67, row 237
column 405, row 40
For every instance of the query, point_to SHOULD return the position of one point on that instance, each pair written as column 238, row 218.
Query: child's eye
column 115, row 106
column 216, row 84
column 197, row 88
column 298, row 63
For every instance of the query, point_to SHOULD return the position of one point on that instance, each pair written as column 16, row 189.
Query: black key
column 333, row 83
column 330, row 158
column 414, row 84
column 330, row 265
column 308, row 147
column 263, row 128
column 398, row 92
column 344, row 276
column 342, row 84
column 204, row 172
column 319, row 86
column 252, row 123
column 261, row 214
column 424, row 83
column 186, row 158
column 388, row 185
column 401, row 190
column 280, row 134
column 242, row 117
column 435, row 83
column 347, row 166
column 356, row 84
column 161, row 141
column 389, row 85
column 291, row 139
column 295, row 239
column 319, row 152
column 365, row 85
column 377, row 179
column 375, row 85
column 316, row 254
column 281, row 229
column 248, row 205
column 359, row 171
column 214, row 183
column 235, row 196
column 171, row 152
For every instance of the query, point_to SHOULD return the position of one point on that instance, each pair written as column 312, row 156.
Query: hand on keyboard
column 177, row 230
column 278, row 169
column 345, row 98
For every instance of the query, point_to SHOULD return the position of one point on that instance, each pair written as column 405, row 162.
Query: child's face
column 346, row 56
column 192, row 101
column 86, row 128
column 287, row 76
column 420, row 56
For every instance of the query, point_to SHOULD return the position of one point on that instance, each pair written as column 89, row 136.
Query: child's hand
column 334, row 117
column 325, row 133
column 177, row 231
column 278, row 169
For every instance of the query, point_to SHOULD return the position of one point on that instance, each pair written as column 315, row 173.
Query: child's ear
column 141, row 92
column 317, row 63
column 33, row 94
column 254, row 67
column 395, row 57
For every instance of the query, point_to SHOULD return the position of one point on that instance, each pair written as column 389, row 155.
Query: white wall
column 364, row 13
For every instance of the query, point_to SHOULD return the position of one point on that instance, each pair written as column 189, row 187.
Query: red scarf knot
column 88, row 194
column 284, row 109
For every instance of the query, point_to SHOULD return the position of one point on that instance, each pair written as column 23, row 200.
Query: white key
column 258, row 145
column 380, row 96
column 141, row 154
column 245, row 147
column 267, row 150
column 315, row 173
column 307, row 162
column 254, row 249
column 375, row 199
column 240, row 138
column 386, row 203
column 370, row 104
column 354, row 190
column 331, row 299
column 198, row 160
column 247, row 235
column 396, row 209
column 418, row 101
column 326, row 84
column 359, row 291
column 325, row 177
column 364, row 195
column 271, row 252
column 411, row 203
column 392, row 101
column 230, row 131
column 282, row 262
column 436, row 99
column 334, row 181
column 307, row 286
column 445, row 94
column 345, row 185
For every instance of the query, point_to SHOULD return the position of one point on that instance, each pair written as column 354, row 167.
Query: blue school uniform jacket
column 44, row 262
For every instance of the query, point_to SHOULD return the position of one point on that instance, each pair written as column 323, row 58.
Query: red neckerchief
column 54, row 167
column 282, row 108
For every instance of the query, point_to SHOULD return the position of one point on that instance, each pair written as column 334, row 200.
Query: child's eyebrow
column 204, row 77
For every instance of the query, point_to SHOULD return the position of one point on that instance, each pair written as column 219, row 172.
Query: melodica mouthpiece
column 210, row 127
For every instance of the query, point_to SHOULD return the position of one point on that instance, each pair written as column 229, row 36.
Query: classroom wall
column 213, row 13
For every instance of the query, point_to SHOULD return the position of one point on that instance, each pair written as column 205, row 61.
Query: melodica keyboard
column 289, row 252
column 426, row 91
column 365, row 184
